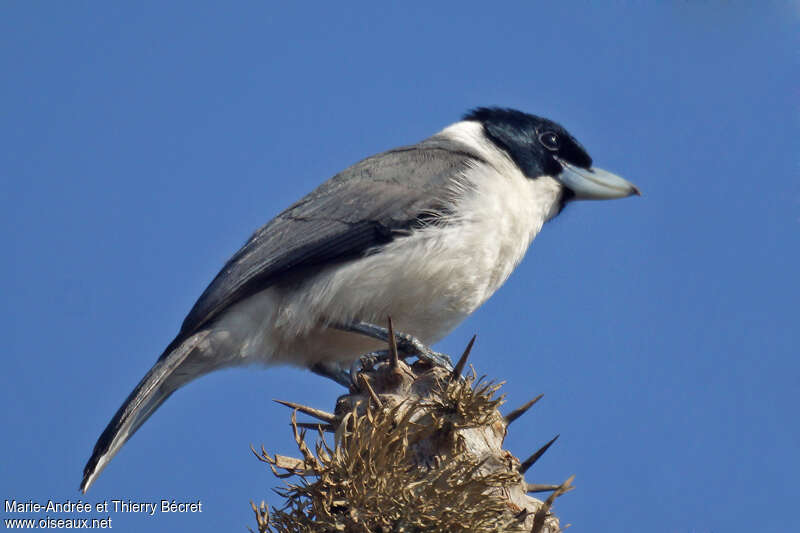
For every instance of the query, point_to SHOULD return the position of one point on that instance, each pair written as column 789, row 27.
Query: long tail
column 156, row 386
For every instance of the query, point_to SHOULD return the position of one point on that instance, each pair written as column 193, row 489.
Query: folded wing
column 367, row 205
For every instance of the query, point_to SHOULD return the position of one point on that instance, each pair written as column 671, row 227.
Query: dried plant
column 415, row 449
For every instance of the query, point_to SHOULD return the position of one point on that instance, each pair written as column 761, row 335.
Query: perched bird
column 423, row 234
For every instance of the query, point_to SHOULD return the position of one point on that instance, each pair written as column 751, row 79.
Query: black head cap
column 532, row 142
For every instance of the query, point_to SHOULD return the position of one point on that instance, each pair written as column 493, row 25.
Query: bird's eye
column 549, row 140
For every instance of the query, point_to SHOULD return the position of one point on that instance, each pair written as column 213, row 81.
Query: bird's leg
column 334, row 372
column 408, row 344
column 344, row 378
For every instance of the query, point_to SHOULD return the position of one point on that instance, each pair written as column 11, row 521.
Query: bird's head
column 540, row 147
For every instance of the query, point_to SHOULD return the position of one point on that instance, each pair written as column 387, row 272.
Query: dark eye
column 549, row 140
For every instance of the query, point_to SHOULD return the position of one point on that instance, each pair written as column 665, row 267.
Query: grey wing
column 366, row 205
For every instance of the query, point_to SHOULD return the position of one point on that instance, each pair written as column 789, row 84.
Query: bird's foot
column 407, row 344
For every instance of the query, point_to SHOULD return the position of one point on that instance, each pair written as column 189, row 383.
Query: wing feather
column 366, row 205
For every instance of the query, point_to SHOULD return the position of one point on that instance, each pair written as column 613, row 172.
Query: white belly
column 428, row 282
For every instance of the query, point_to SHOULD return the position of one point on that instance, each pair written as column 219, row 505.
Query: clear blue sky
column 140, row 145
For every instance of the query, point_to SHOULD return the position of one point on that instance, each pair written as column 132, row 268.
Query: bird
column 423, row 234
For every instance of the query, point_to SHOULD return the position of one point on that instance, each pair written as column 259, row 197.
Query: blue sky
column 140, row 145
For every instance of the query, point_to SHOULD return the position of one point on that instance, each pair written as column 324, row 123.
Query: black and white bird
column 423, row 234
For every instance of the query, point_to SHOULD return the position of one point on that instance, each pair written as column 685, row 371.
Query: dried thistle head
column 414, row 450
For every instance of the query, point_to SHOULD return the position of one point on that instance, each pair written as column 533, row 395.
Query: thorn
column 519, row 411
column 541, row 514
column 529, row 462
column 312, row 425
column 394, row 359
column 536, row 487
column 262, row 516
column 253, row 449
column 316, row 413
column 562, row 489
column 372, row 394
column 462, row 362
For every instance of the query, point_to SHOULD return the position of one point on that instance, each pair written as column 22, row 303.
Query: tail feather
column 156, row 386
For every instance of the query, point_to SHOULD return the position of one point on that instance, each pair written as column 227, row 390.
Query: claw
column 364, row 362
column 354, row 370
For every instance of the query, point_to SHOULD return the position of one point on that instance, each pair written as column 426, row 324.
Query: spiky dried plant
column 416, row 448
